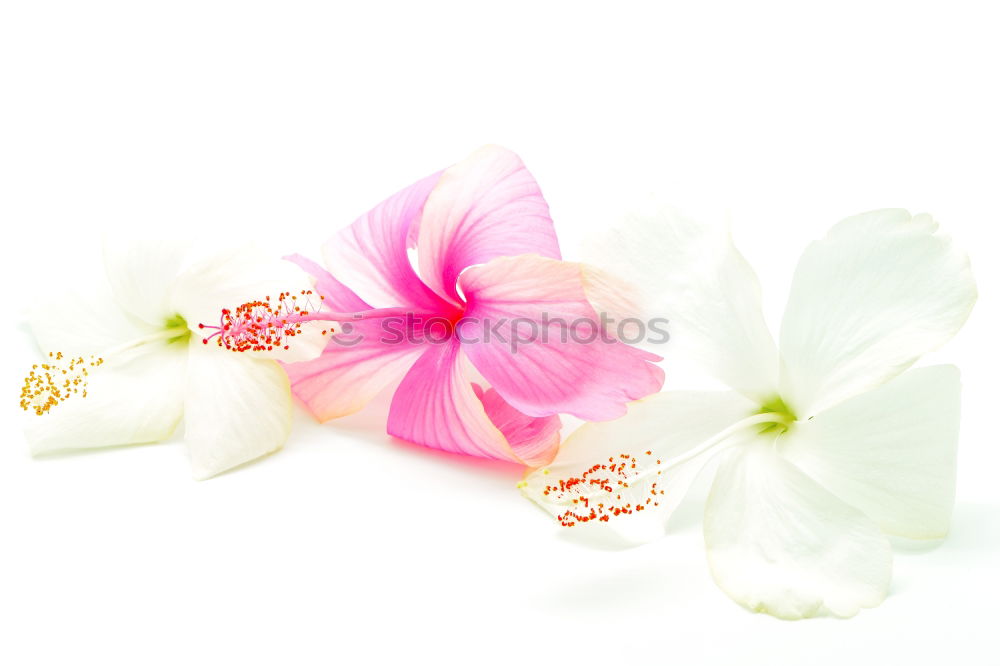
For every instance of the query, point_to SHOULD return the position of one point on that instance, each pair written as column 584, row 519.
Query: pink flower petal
column 373, row 251
column 567, row 366
column 484, row 207
column 337, row 296
column 437, row 406
column 345, row 379
column 357, row 363
column 531, row 437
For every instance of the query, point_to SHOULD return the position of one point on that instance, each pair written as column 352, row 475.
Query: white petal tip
column 202, row 471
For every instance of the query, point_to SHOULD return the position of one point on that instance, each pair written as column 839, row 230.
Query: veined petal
column 85, row 322
column 141, row 272
column 356, row 365
column 237, row 408
column 690, row 274
column 337, row 296
column 889, row 452
column 882, row 289
column 360, row 360
column 371, row 254
column 134, row 398
column 437, row 406
column 779, row 543
column 230, row 278
column 484, row 207
column 667, row 425
column 532, row 438
column 533, row 335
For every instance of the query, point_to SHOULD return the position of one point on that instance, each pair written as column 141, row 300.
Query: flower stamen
column 60, row 378
column 265, row 325
column 270, row 324
column 625, row 484
column 51, row 383
column 609, row 479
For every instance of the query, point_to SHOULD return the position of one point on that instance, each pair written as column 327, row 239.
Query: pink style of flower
column 486, row 252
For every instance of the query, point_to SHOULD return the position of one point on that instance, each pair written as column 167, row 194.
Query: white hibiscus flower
column 824, row 445
column 125, row 359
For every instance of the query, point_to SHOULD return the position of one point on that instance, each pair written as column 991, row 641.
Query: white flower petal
column 231, row 278
column 889, row 452
column 86, row 323
column 236, row 408
column 666, row 424
column 690, row 273
column 866, row 302
column 135, row 398
column 141, row 272
column 779, row 543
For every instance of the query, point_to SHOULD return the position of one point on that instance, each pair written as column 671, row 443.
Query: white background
column 284, row 121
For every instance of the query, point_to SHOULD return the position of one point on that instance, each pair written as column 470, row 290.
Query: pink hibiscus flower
column 489, row 274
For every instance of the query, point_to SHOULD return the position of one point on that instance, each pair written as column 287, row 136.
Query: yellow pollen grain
column 53, row 383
